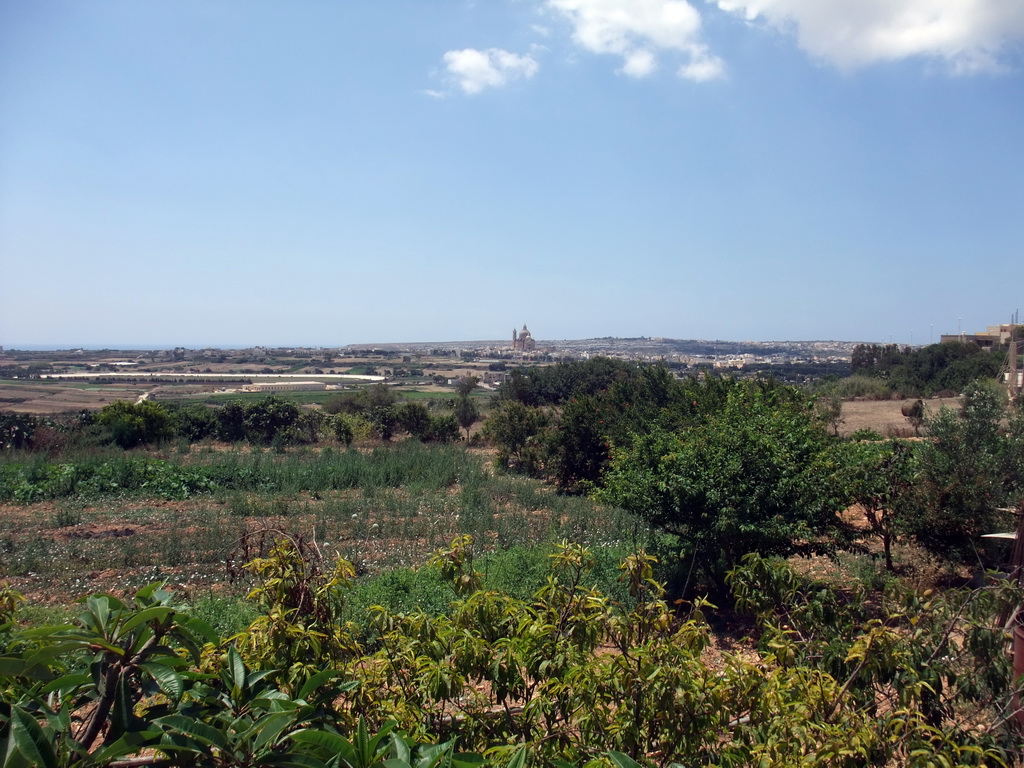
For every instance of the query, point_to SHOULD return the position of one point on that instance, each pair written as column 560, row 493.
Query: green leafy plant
column 95, row 675
column 761, row 475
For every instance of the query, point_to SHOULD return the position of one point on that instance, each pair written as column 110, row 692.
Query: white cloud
column 476, row 70
column 702, row 67
column 639, row 63
column 970, row 35
column 637, row 30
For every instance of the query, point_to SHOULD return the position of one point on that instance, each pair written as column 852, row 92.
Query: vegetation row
column 565, row 677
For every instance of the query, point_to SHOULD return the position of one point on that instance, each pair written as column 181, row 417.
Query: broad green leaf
column 52, row 651
column 400, row 749
column 122, row 718
column 168, row 679
column 99, row 643
column 143, row 617
column 12, row 666
column 31, row 742
column 200, row 732
column 623, row 761
column 518, row 759
column 434, row 754
column 199, row 628
column 236, row 669
column 332, row 742
column 316, row 681
column 153, row 592
column 270, row 727
column 128, row 744
column 362, row 745
column 67, row 682
column 467, row 760
column 50, row 630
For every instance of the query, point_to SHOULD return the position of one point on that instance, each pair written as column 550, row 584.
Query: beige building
column 523, row 341
column 993, row 336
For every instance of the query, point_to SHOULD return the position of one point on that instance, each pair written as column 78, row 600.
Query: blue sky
column 318, row 172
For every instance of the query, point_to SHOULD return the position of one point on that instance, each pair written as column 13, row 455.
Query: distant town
column 51, row 381
column 686, row 352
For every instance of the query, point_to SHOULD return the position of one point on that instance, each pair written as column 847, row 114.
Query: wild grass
column 26, row 478
column 382, row 510
column 861, row 387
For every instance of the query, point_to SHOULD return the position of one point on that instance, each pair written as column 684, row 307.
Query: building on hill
column 523, row 341
column 994, row 336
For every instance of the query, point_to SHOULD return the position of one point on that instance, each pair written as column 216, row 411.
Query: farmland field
column 391, row 509
column 884, row 416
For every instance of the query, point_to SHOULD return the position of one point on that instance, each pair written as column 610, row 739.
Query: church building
column 523, row 341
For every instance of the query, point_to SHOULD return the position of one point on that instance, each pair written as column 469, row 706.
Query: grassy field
column 49, row 397
column 19, row 392
column 380, row 510
column 55, row 549
column 884, row 416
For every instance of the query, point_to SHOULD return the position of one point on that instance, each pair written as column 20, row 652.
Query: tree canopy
column 949, row 367
column 759, row 475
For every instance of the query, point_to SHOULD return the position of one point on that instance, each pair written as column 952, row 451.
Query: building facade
column 523, row 340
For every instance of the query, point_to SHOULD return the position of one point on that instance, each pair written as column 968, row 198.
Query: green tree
column 16, row 429
column 414, row 419
column 510, row 427
column 384, row 419
column 379, row 396
column 443, row 429
column 342, row 429
column 132, row 424
column 308, row 426
column 925, row 371
column 268, row 419
column 761, row 475
column 830, row 405
column 966, row 476
column 465, row 385
column 466, row 413
column 881, row 479
column 231, row 422
column 196, row 422
column 578, row 450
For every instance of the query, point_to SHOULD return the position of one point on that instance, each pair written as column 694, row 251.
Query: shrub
column 966, row 474
column 759, row 476
column 135, row 424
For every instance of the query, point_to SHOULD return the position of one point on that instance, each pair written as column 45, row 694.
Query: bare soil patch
column 885, row 417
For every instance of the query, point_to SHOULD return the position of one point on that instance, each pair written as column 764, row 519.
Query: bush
column 414, row 418
column 343, row 430
column 860, row 387
column 867, row 435
column 16, row 430
column 269, row 418
column 129, row 425
column 443, row 429
column 967, row 472
column 195, row 422
column 761, row 476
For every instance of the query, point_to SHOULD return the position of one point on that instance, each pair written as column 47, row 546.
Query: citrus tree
column 760, row 475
